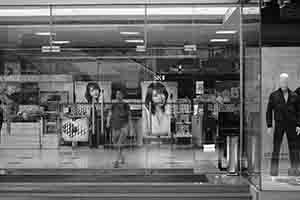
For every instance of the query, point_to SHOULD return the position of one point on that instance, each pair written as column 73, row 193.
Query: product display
column 158, row 98
column 75, row 130
column 183, row 122
column 80, row 90
column 283, row 103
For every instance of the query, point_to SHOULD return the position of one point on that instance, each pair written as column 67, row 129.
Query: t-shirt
column 120, row 115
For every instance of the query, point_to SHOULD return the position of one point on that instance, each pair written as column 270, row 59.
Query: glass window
column 162, row 83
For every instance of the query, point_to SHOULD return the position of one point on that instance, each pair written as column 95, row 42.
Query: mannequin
column 1, row 116
column 284, row 104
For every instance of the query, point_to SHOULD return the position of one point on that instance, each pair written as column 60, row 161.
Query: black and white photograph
column 150, row 99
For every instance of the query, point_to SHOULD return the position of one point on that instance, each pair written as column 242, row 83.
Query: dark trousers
column 1, row 122
column 293, row 146
column 98, row 138
column 94, row 140
column 1, row 119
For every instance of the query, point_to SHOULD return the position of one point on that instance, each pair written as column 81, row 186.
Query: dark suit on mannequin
column 286, row 116
column 1, row 117
column 297, row 91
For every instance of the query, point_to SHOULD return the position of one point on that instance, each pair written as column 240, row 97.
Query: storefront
column 193, row 74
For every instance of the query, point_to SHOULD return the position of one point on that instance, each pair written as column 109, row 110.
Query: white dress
column 158, row 125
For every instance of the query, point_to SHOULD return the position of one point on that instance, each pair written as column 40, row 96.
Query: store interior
column 50, row 53
column 183, row 48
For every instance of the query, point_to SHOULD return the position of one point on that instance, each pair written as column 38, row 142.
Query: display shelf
column 183, row 122
column 51, row 117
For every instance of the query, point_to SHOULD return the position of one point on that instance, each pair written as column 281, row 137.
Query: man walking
column 1, row 116
column 119, row 119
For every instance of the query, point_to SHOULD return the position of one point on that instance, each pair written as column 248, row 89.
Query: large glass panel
column 105, row 46
column 251, row 153
column 195, row 52
column 280, row 70
column 177, row 67
column 24, row 30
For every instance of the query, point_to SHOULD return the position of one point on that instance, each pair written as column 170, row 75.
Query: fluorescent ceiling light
column 251, row 10
column 129, row 33
column 141, row 48
column 48, row 49
column 60, row 42
column 87, row 11
column 187, row 11
column 134, row 41
column 219, row 40
column 25, row 12
column 44, row 33
column 226, row 32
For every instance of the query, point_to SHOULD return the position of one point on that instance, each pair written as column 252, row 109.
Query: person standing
column 119, row 119
column 92, row 95
column 1, row 116
column 283, row 104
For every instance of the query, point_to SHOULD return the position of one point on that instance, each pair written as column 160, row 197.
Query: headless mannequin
column 284, row 105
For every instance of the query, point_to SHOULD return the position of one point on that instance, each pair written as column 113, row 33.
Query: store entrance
column 122, row 86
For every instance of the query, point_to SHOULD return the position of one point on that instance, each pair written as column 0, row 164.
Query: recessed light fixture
column 129, row 33
column 219, row 40
column 226, row 32
column 50, row 49
column 140, row 48
column 44, row 33
column 60, row 42
column 134, row 41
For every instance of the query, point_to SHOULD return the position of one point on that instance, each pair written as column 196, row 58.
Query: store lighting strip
column 134, row 41
column 219, row 40
column 60, row 42
column 44, row 33
column 226, row 32
column 129, row 33
column 140, row 11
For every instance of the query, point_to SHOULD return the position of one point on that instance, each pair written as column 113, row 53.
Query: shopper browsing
column 1, row 116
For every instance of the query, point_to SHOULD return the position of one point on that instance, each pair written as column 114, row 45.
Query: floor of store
column 148, row 156
column 283, row 182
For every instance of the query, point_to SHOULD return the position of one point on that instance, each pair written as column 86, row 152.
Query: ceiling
column 99, row 31
column 47, row 2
